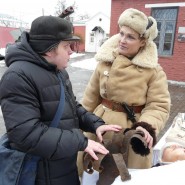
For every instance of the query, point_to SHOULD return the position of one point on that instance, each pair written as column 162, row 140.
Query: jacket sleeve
column 88, row 121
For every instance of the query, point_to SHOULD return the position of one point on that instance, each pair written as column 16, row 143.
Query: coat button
column 106, row 73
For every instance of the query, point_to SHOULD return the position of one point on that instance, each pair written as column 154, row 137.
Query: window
column 92, row 37
column 166, row 22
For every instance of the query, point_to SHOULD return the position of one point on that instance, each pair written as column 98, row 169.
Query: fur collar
column 146, row 58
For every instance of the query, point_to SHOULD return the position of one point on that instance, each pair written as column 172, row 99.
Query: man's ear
column 48, row 53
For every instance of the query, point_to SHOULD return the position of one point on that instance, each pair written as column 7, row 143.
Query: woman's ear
column 143, row 42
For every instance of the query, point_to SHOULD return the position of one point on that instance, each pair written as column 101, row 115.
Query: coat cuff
column 149, row 128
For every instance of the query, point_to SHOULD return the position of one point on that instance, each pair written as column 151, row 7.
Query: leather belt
column 119, row 108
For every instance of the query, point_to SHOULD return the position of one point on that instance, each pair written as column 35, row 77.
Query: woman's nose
column 123, row 39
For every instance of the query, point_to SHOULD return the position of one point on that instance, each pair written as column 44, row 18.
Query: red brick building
column 79, row 30
column 6, row 36
column 170, row 16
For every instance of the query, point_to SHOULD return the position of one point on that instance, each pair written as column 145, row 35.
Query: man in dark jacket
column 30, row 94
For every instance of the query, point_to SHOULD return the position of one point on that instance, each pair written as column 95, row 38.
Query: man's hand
column 93, row 147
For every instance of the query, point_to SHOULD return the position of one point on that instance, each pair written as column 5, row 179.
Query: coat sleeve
column 89, row 122
column 158, row 101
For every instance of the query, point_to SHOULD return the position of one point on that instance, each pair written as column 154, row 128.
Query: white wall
column 90, row 24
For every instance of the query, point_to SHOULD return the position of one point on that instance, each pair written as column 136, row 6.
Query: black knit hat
column 48, row 31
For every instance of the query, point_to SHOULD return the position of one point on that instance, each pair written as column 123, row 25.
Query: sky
column 28, row 10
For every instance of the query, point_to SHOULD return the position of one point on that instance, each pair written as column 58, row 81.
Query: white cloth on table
column 171, row 174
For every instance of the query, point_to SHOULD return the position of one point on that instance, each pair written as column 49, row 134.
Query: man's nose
column 70, row 51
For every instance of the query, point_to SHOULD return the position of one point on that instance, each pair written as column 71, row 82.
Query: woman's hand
column 148, row 138
column 102, row 129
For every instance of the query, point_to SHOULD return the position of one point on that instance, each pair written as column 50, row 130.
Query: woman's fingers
column 147, row 136
column 116, row 128
column 104, row 128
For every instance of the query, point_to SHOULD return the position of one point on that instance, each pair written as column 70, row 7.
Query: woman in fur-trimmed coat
column 128, row 72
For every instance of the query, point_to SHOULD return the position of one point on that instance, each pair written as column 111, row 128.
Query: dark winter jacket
column 29, row 94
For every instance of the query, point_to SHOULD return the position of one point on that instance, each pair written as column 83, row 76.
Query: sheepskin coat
column 139, row 81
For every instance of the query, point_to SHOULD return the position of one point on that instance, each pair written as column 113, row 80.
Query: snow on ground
column 76, row 55
column 2, row 51
column 89, row 64
column 2, row 63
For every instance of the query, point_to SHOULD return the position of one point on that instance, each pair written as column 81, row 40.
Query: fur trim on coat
column 109, row 51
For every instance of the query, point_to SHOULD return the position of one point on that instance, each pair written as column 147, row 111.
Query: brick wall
column 80, row 32
column 5, row 36
column 174, row 66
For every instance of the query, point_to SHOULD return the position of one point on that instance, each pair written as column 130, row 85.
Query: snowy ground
column 89, row 64
column 76, row 55
column 2, row 51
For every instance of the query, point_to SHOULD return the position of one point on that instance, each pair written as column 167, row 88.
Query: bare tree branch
column 60, row 7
